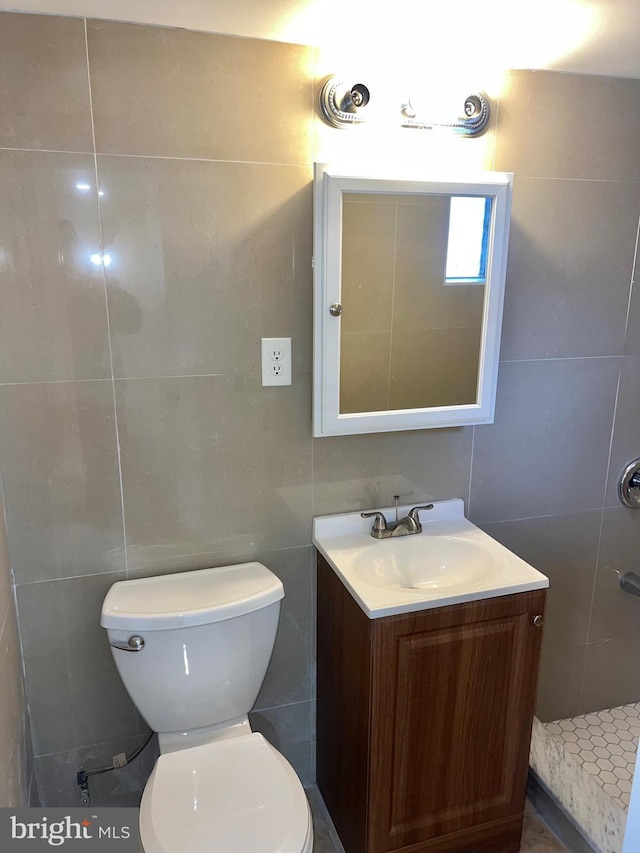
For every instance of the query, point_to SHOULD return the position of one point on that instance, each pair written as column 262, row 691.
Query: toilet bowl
column 237, row 795
column 192, row 650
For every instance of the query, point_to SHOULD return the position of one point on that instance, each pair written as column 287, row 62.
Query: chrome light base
column 472, row 121
column 343, row 104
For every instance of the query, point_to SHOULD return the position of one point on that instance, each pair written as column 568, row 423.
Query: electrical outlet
column 276, row 361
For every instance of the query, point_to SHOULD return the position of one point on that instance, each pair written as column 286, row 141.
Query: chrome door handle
column 134, row 644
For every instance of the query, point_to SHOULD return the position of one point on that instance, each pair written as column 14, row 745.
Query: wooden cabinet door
column 450, row 725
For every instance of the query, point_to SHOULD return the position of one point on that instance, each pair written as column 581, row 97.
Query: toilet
column 192, row 650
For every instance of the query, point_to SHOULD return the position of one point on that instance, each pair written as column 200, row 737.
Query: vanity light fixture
column 343, row 104
column 472, row 121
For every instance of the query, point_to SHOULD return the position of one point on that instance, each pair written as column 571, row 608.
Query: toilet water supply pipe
column 119, row 761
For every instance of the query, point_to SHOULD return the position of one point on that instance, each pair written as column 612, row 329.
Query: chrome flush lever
column 134, row 644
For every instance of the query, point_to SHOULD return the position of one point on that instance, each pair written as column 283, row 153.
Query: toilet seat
column 236, row 795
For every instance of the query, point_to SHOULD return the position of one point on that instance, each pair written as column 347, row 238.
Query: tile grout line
column 631, row 284
column 109, row 743
column 161, row 157
column 26, row 584
column 473, row 445
column 560, row 358
column 314, row 158
column 166, row 376
column 597, row 560
column 279, row 707
column 106, row 304
column 142, row 569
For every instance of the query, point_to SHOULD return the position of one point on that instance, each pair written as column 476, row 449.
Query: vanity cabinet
column 424, row 721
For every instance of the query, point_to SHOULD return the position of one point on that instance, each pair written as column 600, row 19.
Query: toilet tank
column 207, row 638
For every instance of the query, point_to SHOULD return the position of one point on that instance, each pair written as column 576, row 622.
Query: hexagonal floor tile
column 605, row 743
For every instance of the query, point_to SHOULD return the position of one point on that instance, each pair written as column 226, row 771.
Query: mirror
column 408, row 281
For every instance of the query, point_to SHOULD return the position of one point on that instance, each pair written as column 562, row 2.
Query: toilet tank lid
column 190, row 598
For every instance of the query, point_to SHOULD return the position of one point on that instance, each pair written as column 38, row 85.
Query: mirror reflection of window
column 468, row 241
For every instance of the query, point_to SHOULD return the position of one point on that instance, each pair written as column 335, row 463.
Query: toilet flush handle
column 134, row 644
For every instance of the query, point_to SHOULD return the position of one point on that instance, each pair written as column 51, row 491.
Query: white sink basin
column 448, row 563
column 451, row 561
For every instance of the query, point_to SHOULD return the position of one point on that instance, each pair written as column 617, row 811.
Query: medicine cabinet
column 409, row 274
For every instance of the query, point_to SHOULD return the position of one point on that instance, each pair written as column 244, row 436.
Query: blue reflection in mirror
column 468, row 241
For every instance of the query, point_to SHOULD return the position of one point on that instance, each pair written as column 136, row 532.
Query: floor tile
column 605, row 743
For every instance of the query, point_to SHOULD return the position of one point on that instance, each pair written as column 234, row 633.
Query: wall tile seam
column 470, row 483
column 70, row 152
column 153, row 378
column 23, row 665
column 620, row 355
column 54, row 382
column 563, row 648
column 237, row 373
column 309, row 702
column 549, row 650
column 25, row 584
column 137, row 572
column 105, row 285
column 116, row 742
column 275, row 164
column 607, row 474
column 5, row 522
column 575, row 179
column 583, row 676
column 483, row 524
column 593, row 644
column 632, row 282
column 99, row 154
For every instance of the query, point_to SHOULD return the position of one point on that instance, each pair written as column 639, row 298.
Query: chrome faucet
column 406, row 526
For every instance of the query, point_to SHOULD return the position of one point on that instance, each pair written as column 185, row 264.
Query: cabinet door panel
column 451, row 726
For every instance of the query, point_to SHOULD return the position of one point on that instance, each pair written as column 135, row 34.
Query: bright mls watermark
column 102, row 829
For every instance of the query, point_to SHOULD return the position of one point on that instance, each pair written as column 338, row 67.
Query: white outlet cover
column 276, row 361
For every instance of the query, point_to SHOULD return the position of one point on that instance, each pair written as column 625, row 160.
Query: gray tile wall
column 544, row 476
column 135, row 437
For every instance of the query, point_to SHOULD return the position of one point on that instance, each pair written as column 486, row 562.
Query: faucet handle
column 414, row 514
column 379, row 525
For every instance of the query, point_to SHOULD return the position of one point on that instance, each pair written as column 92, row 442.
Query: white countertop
column 450, row 562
